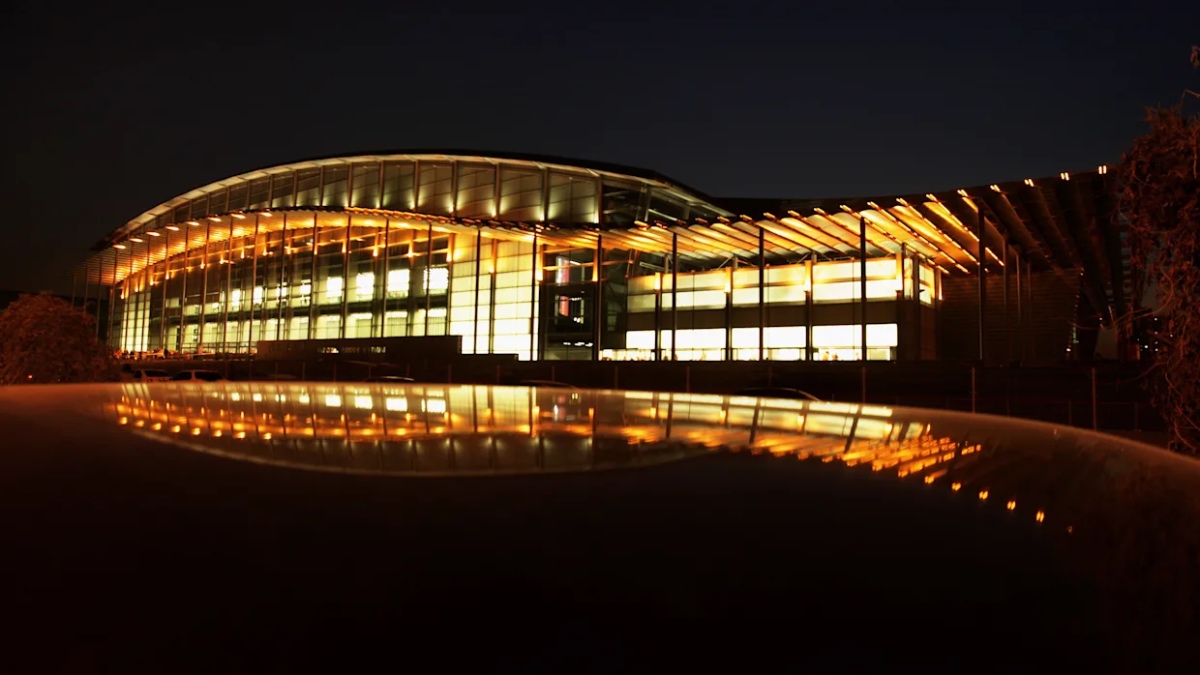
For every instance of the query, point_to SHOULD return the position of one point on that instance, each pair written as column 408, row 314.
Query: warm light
column 193, row 223
column 217, row 433
column 956, row 486
column 123, row 420
column 995, row 188
column 1065, row 176
column 962, row 192
column 239, row 216
column 983, row 494
column 215, row 219
column 157, row 426
column 1029, row 182
column 172, row 228
column 120, row 246
column 1039, row 516
column 1012, row 504
column 929, row 479
column 154, row 234
column 1103, row 169
column 196, row 431
column 240, row 434
column 267, row 214
column 266, row 436
column 175, row 429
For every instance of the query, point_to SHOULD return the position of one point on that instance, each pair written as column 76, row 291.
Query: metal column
column 427, row 275
column 762, row 291
column 1007, row 323
column 345, row 276
column 599, row 315
column 204, row 285
column 253, row 287
column 313, row 295
column 1020, row 312
column 982, row 284
column 228, row 290
column 533, row 297
column 284, row 268
column 862, row 281
column 478, row 271
column 387, row 259
column 674, row 296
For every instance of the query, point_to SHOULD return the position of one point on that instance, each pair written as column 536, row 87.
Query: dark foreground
column 123, row 554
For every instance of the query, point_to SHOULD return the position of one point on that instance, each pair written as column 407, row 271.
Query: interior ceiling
column 1062, row 223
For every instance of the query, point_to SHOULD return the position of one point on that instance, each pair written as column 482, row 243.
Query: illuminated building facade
column 550, row 259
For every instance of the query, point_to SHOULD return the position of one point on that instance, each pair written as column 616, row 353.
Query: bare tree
column 1160, row 178
column 45, row 339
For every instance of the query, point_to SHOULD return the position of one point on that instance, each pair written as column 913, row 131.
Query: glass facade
column 542, row 262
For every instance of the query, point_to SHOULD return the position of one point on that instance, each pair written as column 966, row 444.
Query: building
column 547, row 258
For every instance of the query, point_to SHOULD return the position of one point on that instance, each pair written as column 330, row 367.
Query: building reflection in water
column 469, row 429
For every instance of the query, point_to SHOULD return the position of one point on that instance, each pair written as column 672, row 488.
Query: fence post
column 974, row 391
column 1095, row 403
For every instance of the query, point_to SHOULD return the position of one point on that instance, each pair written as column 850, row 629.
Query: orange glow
column 1012, row 504
column 1039, row 516
column 983, row 495
column 956, row 486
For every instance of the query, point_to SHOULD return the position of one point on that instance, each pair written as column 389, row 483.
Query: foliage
column 45, row 339
column 1160, row 178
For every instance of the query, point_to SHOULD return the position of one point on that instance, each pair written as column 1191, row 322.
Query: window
column 364, row 285
column 397, row 281
column 333, row 289
column 437, row 279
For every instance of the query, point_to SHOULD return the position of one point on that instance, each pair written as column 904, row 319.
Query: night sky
column 120, row 107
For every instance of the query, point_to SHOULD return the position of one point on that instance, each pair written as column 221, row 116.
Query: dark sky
column 116, row 108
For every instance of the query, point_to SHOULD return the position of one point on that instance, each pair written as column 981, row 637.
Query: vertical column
column 1007, row 323
column 313, row 296
column 187, row 242
column 982, row 284
column 1020, row 313
column 162, row 316
column 862, row 282
column 253, row 346
column 674, row 295
column 427, row 274
column 658, row 292
column 228, row 289
column 533, row 296
column 345, row 276
column 204, row 284
column 284, row 289
column 1030, row 312
column 99, row 289
column 729, row 313
column 147, row 292
column 478, row 271
column 492, row 300
column 808, row 311
column 762, row 293
column 599, row 314
column 387, row 259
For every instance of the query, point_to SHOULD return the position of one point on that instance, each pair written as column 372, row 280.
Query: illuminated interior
column 536, row 259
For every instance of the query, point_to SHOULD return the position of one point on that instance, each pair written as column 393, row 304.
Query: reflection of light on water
column 506, row 424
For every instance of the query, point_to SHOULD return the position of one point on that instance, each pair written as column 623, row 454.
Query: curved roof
column 443, row 154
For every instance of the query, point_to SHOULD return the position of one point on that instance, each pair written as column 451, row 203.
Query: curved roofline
column 558, row 160
column 618, row 170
